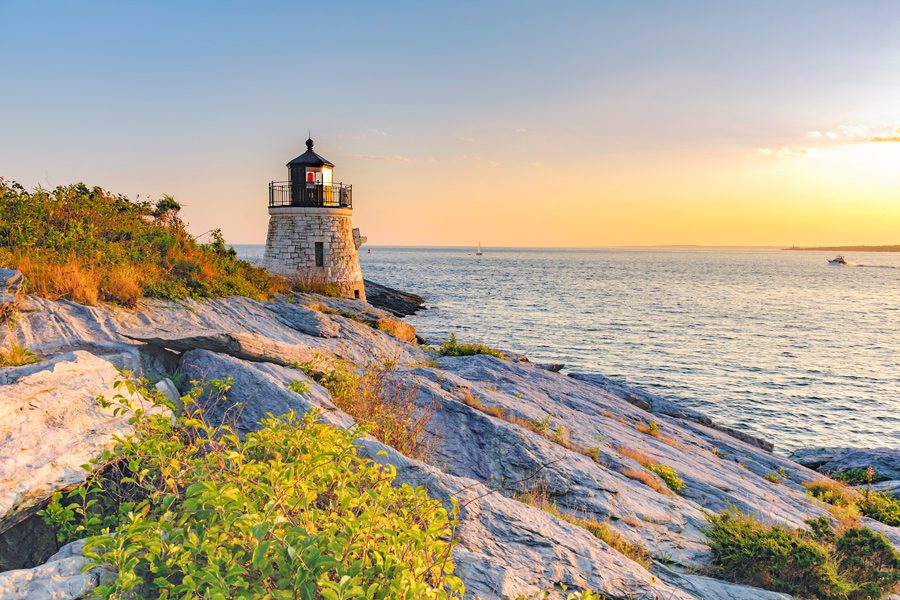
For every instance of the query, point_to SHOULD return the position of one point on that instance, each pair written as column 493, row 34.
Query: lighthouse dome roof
column 310, row 158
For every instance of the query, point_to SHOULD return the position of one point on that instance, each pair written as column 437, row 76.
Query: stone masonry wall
column 290, row 247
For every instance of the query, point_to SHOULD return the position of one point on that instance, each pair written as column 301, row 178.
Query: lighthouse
column 311, row 238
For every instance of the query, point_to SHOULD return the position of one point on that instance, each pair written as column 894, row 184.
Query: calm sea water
column 775, row 343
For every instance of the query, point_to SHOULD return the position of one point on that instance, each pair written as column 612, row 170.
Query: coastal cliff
column 529, row 456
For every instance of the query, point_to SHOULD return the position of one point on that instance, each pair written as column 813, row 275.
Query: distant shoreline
column 895, row 248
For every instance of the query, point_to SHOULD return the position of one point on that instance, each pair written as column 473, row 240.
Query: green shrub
column 669, row 476
column 880, row 506
column 817, row 563
column 452, row 348
column 299, row 387
column 87, row 245
column 857, row 476
column 773, row 478
column 291, row 511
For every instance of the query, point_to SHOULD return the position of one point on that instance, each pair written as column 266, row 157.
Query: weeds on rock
column 382, row 402
column 538, row 497
column 17, row 355
column 652, row 429
column 669, row 475
column 452, row 348
column 299, row 387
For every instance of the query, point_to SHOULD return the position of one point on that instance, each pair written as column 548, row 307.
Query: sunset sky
column 512, row 123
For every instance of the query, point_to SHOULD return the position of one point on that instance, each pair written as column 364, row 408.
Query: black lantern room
column 310, row 184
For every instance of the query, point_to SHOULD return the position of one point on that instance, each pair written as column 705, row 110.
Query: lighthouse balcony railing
column 319, row 195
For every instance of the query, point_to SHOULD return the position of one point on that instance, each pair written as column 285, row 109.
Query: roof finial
column 309, row 142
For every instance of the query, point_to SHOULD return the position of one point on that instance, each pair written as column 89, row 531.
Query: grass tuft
column 453, row 348
column 16, row 356
column 539, row 498
column 379, row 400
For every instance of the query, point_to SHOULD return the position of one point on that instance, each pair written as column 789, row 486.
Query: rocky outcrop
column 256, row 391
column 399, row 303
column 65, row 576
column 248, row 346
column 50, row 425
column 659, row 405
column 885, row 461
column 501, row 428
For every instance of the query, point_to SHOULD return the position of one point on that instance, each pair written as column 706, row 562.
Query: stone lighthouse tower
column 311, row 238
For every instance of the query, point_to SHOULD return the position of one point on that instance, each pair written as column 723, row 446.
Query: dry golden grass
column 398, row 329
column 631, row 521
column 319, row 307
column 646, row 478
column 16, row 356
column 539, row 498
column 72, row 281
column 489, row 409
column 636, row 455
column 652, row 429
column 123, row 285
column 383, row 403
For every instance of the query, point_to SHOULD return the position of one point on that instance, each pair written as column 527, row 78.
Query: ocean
column 775, row 343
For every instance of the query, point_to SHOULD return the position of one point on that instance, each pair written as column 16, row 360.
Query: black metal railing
column 328, row 195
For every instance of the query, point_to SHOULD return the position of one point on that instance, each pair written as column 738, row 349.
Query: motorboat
column 837, row 261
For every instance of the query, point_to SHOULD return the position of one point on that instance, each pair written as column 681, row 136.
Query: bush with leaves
column 291, row 511
column 817, row 563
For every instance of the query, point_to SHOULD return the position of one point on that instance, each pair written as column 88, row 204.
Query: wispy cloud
column 466, row 139
column 377, row 132
column 478, row 161
column 837, row 136
column 887, row 137
column 520, row 130
column 391, row 158
column 856, row 134
column 785, row 152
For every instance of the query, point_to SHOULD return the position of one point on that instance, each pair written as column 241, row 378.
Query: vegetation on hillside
column 290, row 511
column 89, row 245
column 818, row 562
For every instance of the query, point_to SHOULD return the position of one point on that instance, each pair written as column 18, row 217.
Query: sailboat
column 478, row 249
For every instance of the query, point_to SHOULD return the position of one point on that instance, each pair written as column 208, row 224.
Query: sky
column 510, row 123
